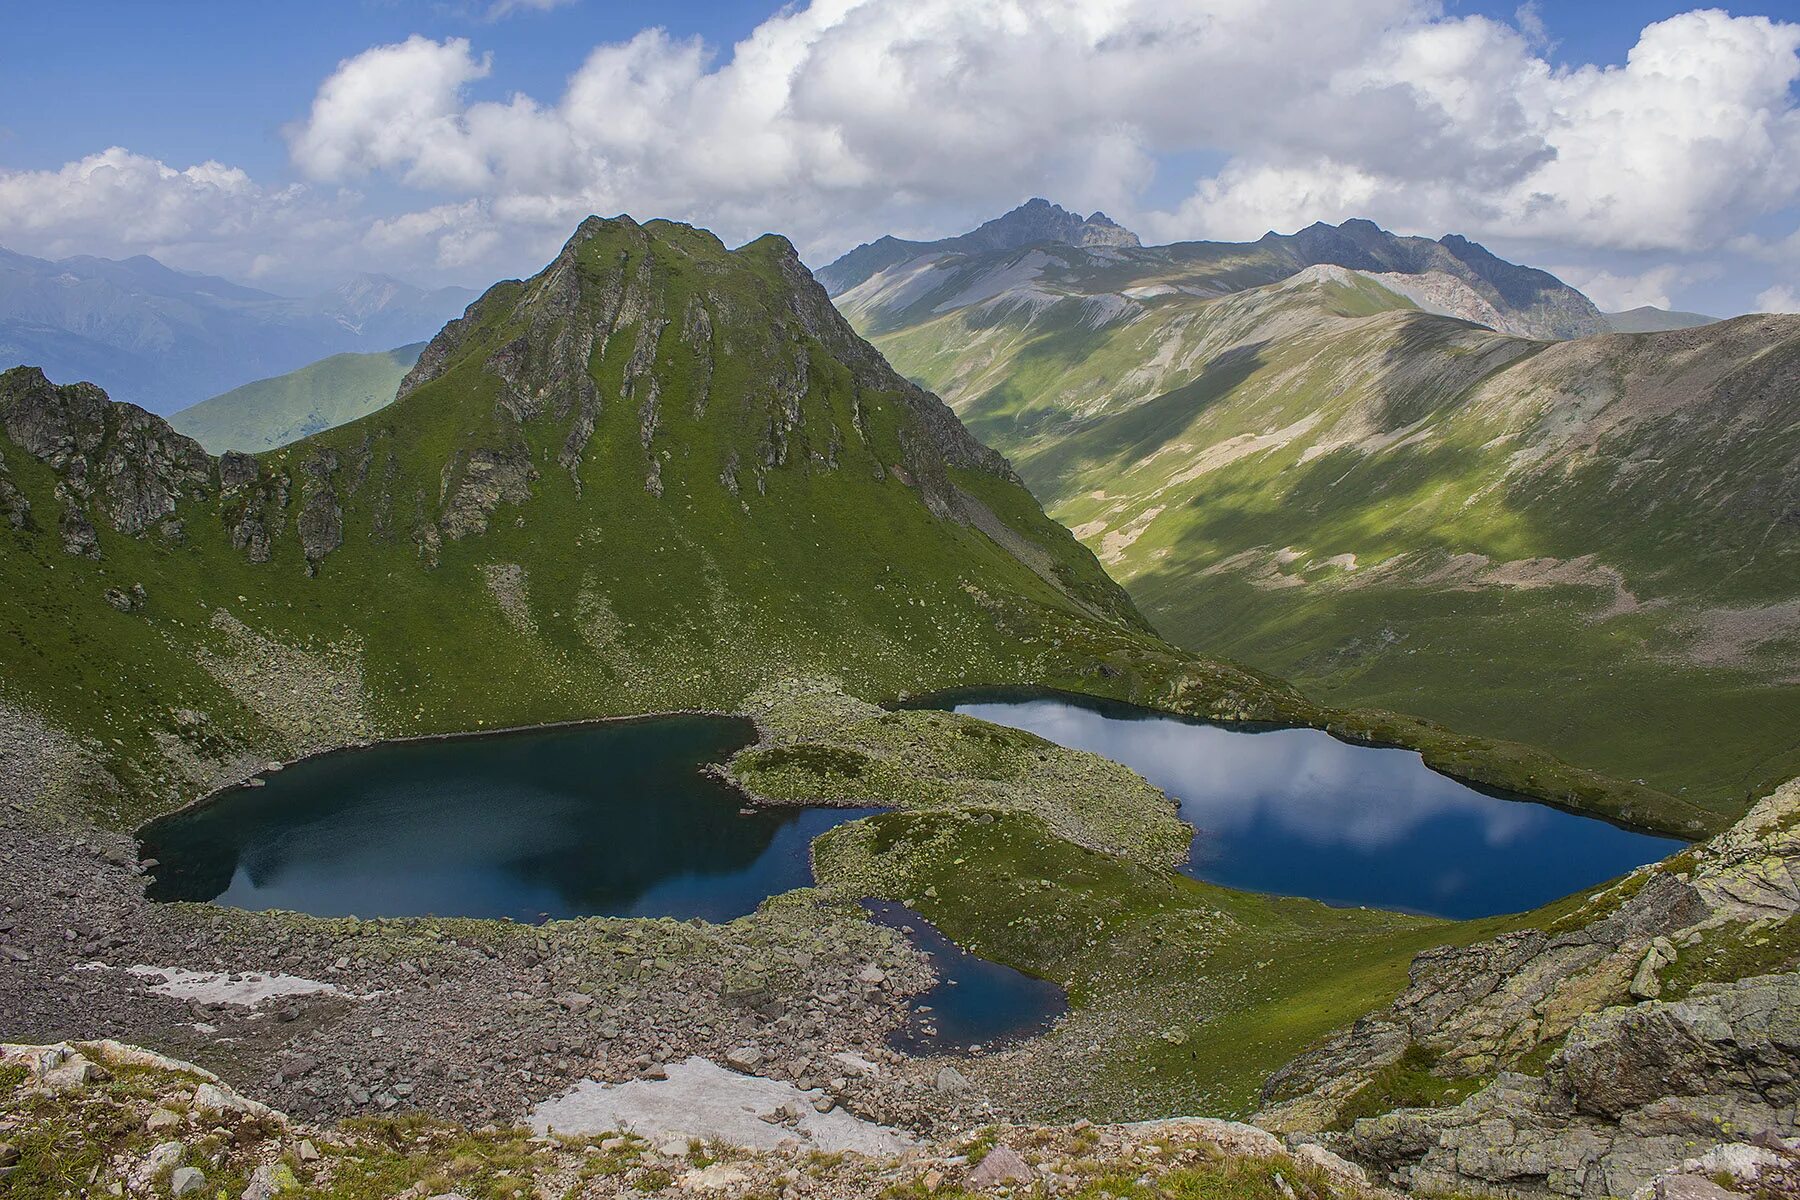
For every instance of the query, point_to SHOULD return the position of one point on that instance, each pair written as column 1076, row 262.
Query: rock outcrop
column 1658, row 1017
column 112, row 459
column 150, row 1125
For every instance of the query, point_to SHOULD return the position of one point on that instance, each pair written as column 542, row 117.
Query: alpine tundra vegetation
column 1033, row 712
column 1368, row 465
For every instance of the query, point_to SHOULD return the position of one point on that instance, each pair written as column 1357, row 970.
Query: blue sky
column 1523, row 128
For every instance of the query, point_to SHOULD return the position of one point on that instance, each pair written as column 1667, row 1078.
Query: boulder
column 1001, row 1167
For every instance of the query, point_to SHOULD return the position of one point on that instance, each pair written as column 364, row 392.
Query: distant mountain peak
column 1034, row 222
column 1038, row 220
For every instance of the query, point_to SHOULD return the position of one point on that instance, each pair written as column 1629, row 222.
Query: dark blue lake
column 975, row 1004
column 1300, row 813
column 614, row 819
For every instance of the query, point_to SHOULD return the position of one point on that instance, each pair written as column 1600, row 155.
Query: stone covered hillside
column 111, row 1119
column 1625, row 1033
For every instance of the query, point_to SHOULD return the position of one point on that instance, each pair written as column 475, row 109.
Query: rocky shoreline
column 1685, row 964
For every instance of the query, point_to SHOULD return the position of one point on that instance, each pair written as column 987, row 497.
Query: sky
column 1646, row 152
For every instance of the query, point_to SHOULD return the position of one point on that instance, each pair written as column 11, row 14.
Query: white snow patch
column 246, row 988
column 704, row 1100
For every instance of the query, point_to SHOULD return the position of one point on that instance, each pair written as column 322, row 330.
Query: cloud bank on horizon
column 838, row 120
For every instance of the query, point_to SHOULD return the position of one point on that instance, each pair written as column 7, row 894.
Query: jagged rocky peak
column 1038, row 220
column 1532, row 303
column 659, row 325
column 111, row 459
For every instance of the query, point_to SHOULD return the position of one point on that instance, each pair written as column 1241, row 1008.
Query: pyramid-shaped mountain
column 655, row 475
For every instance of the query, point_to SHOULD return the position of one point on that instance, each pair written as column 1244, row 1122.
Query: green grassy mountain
column 273, row 412
column 653, row 476
column 1587, row 545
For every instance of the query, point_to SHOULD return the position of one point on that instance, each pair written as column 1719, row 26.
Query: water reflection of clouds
column 1303, row 782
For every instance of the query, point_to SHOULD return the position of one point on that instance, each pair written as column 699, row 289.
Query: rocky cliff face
column 113, row 460
column 1625, row 1035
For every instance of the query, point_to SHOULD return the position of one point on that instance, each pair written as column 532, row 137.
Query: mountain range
column 1039, row 253
column 167, row 339
column 662, row 475
column 1355, row 461
column 607, row 488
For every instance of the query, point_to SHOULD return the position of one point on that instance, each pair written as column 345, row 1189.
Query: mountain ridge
column 267, row 413
column 611, row 488
column 1236, row 456
column 168, row 338
column 1037, row 220
column 890, row 283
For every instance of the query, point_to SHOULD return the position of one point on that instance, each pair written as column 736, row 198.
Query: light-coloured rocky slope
column 1650, row 1025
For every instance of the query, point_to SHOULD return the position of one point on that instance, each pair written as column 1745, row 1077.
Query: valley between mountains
column 666, row 476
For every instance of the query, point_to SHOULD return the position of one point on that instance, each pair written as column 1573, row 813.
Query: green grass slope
column 273, row 412
column 1588, row 546
column 652, row 477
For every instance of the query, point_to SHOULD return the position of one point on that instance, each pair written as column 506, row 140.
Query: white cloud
column 506, row 8
column 1615, row 292
column 851, row 111
column 1779, row 299
column 208, row 215
column 837, row 120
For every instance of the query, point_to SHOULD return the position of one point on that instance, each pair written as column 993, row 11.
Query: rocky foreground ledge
column 1646, row 1027
column 104, row 1119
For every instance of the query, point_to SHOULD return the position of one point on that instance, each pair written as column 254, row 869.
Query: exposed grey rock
column 321, row 520
column 951, row 1082
column 1001, row 1166
column 1635, row 1087
column 13, row 504
column 126, row 599
column 744, row 1058
column 269, row 1181
column 78, row 535
column 185, row 1181
column 1742, row 1037
column 131, row 465
column 1691, row 1187
column 162, row 1157
column 237, row 471
column 477, row 484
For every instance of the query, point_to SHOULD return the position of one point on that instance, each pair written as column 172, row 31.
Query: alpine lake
column 624, row 819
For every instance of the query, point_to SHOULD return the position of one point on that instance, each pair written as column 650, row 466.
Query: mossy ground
column 1187, row 995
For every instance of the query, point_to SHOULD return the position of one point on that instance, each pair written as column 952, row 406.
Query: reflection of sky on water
column 1298, row 812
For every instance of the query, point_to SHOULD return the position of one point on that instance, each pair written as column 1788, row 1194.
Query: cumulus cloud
column 1615, row 292
column 207, row 215
column 837, row 120
column 847, row 111
column 1779, row 299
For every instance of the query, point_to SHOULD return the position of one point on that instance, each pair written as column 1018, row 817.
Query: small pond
column 975, row 1004
column 614, row 819
column 1300, row 813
